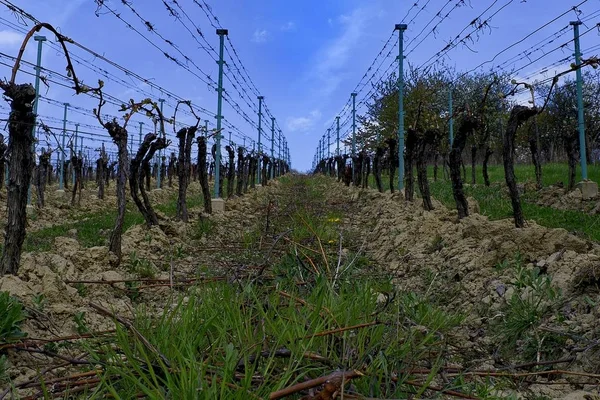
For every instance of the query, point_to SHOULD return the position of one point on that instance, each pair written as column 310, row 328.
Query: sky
column 305, row 57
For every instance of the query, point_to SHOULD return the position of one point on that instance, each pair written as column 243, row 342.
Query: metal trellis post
column 222, row 33
column 401, row 28
column 451, row 119
column 581, row 121
column 162, row 132
column 61, row 182
column 272, row 146
column 38, row 68
column 260, row 100
column 337, row 120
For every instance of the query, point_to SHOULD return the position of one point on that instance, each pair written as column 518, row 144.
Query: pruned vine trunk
column 377, row 159
column 119, row 137
column 202, row 150
column 77, row 164
column 518, row 115
column 486, row 160
column 455, row 161
column 184, row 165
column 2, row 161
column 409, row 180
column 535, row 153
column 240, row 171
column 21, row 138
column 136, row 176
column 149, row 214
column 571, row 149
column 41, row 178
column 230, row 172
column 393, row 161
column 424, row 143
column 473, row 163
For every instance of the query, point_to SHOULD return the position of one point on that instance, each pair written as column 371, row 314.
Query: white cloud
column 260, row 36
column 289, row 26
column 10, row 39
column 335, row 57
column 303, row 124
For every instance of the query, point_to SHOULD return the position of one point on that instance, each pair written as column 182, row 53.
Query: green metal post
column 61, row 182
column 451, row 120
column 222, row 33
column 206, row 128
column 328, row 148
column 75, row 153
column 162, row 132
column 337, row 120
column 272, row 146
column 401, row 28
column 280, row 138
column 141, row 132
column 260, row 100
column 581, row 121
column 38, row 68
column 76, row 134
column 353, row 132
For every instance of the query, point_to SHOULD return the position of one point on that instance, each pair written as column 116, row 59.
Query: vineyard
column 444, row 243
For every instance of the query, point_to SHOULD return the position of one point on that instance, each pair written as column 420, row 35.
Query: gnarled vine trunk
column 518, row 115
column 230, row 171
column 409, row 180
column 184, row 165
column 455, row 161
column 486, row 159
column 119, row 137
column 21, row 138
column 136, row 176
column 240, row 171
column 202, row 152
column 393, row 161
column 377, row 168
column 41, row 178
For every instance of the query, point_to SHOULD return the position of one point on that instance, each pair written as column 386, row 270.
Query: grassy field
column 495, row 203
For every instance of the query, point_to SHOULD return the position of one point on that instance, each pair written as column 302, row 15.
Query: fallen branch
column 441, row 390
column 132, row 329
column 338, row 376
column 32, row 341
column 339, row 330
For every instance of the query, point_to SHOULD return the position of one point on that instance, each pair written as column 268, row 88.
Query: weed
column 203, row 227
column 80, row 323
column 436, row 244
column 3, row 369
column 40, row 301
column 82, row 289
column 133, row 291
column 179, row 252
column 12, row 316
column 532, row 301
column 141, row 267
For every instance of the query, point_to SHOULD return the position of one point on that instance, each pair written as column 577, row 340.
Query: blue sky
column 305, row 57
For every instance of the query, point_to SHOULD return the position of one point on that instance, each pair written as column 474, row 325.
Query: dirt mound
column 555, row 197
column 466, row 264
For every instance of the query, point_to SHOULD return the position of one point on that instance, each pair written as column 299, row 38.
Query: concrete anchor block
column 218, row 205
column 589, row 189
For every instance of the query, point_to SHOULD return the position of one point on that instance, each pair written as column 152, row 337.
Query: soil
column 427, row 252
column 555, row 197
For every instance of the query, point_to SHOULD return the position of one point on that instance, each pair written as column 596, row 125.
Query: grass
column 248, row 339
column 88, row 228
